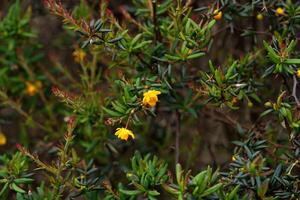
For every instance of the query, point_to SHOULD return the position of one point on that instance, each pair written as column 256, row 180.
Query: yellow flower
column 79, row 55
column 2, row 139
column 33, row 88
column 217, row 14
column 150, row 98
column 124, row 133
column 259, row 17
column 298, row 73
column 279, row 11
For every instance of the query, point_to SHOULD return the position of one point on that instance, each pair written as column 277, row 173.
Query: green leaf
column 211, row 66
column 16, row 188
column 265, row 113
column 170, row 189
column 153, row 193
column 292, row 61
column 291, row 46
column 233, row 193
column 196, row 55
column 118, row 107
column 211, row 24
column 4, row 189
column 211, row 190
column 112, row 113
column 135, row 39
column 255, row 97
column 218, row 77
column 178, row 172
column 197, row 180
column 23, row 180
column 131, row 192
column 142, row 44
column 274, row 57
column 115, row 40
column 230, row 70
column 171, row 57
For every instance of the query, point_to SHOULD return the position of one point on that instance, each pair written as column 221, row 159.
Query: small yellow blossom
column 129, row 174
column 33, row 87
column 79, row 55
column 2, row 139
column 150, row 98
column 298, row 73
column 279, row 11
column 259, row 17
column 124, row 133
column 233, row 158
column 217, row 14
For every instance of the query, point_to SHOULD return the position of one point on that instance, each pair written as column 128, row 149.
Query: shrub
column 205, row 93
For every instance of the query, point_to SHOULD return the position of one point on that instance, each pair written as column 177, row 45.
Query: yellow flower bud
column 279, row 11
column 3, row 139
column 259, row 17
column 33, row 88
column 250, row 104
column 298, row 73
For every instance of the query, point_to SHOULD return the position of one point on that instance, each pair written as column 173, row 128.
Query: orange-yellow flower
column 33, row 87
column 234, row 100
column 150, row 98
column 124, row 133
column 217, row 14
column 2, row 139
column 259, row 17
column 279, row 11
column 79, row 55
column 298, row 73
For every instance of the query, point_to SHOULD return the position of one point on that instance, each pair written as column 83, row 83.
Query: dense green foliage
column 117, row 102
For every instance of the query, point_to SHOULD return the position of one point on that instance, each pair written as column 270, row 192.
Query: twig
column 295, row 90
column 156, row 30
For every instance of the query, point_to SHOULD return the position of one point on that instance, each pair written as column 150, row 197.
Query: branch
column 295, row 90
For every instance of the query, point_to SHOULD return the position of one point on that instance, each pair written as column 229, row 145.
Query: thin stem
column 295, row 90
column 177, row 147
column 156, row 30
column 14, row 105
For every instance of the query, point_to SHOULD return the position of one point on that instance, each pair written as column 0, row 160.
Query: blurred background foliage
column 225, row 118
